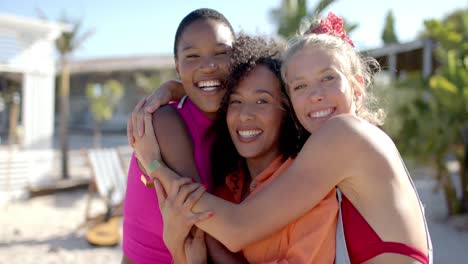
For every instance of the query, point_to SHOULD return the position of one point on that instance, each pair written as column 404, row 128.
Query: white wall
column 38, row 110
column 27, row 47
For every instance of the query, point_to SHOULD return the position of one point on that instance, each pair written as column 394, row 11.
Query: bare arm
column 170, row 90
column 315, row 169
column 177, row 152
column 177, row 234
column 175, row 142
column 176, row 149
column 221, row 255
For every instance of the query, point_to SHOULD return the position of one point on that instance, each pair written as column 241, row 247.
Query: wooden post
column 14, row 114
column 427, row 59
column 392, row 65
column 64, row 115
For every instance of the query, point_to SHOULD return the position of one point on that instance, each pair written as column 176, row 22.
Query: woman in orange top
column 254, row 143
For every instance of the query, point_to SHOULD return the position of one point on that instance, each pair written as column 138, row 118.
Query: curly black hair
column 247, row 53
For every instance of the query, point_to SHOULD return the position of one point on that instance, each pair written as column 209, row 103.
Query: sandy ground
column 45, row 229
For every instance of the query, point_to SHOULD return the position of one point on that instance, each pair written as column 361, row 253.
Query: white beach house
column 27, row 55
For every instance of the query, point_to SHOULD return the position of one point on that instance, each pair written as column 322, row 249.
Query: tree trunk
column 13, row 126
column 97, row 134
column 464, row 178
column 451, row 199
column 64, row 115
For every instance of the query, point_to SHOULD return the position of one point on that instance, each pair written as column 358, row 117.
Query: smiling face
column 202, row 62
column 255, row 114
column 318, row 86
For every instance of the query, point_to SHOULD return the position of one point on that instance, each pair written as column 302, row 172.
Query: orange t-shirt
column 308, row 239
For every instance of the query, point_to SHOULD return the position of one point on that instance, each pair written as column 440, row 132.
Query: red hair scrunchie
column 331, row 25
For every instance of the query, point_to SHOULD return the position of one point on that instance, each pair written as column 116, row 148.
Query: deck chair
column 108, row 179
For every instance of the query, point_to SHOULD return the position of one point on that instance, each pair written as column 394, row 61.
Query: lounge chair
column 108, row 179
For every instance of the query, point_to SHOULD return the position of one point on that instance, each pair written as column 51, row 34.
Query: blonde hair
column 356, row 65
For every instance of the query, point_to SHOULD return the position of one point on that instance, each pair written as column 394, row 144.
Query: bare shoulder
column 349, row 134
column 357, row 146
column 171, row 131
column 175, row 141
column 166, row 114
column 352, row 128
column 338, row 129
column 345, row 125
column 167, row 122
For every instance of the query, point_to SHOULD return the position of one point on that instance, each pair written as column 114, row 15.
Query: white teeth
column 209, row 83
column 209, row 86
column 321, row 113
column 249, row 133
column 209, row 89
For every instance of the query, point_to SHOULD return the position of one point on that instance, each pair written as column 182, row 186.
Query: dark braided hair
column 199, row 14
column 248, row 53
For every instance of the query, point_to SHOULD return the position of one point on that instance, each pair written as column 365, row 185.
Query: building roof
column 152, row 62
column 18, row 39
column 26, row 24
column 129, row 63
column 396, row 48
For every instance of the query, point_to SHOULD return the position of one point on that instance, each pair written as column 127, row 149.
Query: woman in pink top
column 201, row 50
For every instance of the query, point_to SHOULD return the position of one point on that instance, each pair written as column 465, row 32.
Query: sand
column 44, row 230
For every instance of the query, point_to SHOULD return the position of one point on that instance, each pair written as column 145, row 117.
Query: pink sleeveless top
column 143, row 226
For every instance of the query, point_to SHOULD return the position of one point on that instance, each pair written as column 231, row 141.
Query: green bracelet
column 155, row 164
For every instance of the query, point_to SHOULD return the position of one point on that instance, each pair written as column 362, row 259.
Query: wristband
column 155, row 164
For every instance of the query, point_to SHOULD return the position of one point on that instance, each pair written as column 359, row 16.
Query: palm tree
column 148, row 82
column 289, row 15
column 66, row 44
column 102, row 101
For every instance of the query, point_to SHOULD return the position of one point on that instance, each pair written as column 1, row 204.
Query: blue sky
column 125, row 28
